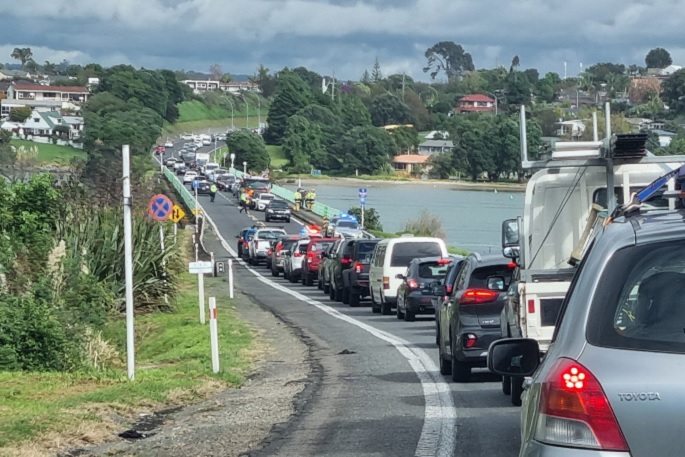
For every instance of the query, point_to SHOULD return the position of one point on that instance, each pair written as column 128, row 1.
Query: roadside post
column 200, row 269
column 196, row 211
column 213, row 334
column 177, row 214
column 128, row 262
column 230, row 278
column 362, row 202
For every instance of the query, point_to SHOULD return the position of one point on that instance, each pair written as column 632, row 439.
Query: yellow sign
column 177, row 213
column 197, row 211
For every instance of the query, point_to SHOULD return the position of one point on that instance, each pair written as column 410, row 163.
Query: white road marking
column 438, row 435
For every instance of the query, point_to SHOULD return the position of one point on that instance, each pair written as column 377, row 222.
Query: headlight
column 269, row 210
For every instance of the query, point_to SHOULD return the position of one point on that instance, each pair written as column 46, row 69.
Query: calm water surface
column 472, row 219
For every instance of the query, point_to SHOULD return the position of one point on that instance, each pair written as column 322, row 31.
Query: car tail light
column 346, row 261
column 386, row 283
column 269, row 252
column 469, row 340
column 443, row 261
column 575, row 410
column 531, row 306
column 297, row 254
column 357, row 268
column 478, row 296
column 448, row 288
column 413, row 284
column 310, row 255
column 512, row 265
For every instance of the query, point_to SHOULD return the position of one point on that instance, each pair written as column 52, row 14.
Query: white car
column 187, row 136
column 263, row 200
column 189, row 176
column 261, row 243
column 169, row 144
column 206, row 142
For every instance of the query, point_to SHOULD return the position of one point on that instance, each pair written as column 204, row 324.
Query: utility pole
column 128, row 262
column 403, row 76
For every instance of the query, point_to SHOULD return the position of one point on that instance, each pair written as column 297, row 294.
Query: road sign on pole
column 362, row 192
column 159, row 208
column 177, row 213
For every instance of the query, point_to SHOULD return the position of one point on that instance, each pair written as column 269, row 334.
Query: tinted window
column 403, row 253
column 646, row 308
column 278, row 204
column 285, row 244
column 432, row 270
column 480, row 276
column 347, row 224
column 365, row 249
column 303, row 248
column 269, row 235
column 321, row 245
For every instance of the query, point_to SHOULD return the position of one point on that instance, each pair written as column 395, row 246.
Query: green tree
column 447, row 57
column 312, row 78
column 372, row 219
column 249, row 147
column 504, row 146
column 20, row 114
column 127, row 83
column 22, row 54
column 303, row 145
column 441, row 165
column 406, row 139
column 366, row 78
column 673, row 92
column 366, row 149
column 353, row 112
column 292, row 94
column 387, row 109
column 376, row 74
column 49, row 67
column 658, row 58
column 332, row 129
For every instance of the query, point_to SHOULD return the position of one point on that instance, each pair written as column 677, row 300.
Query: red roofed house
column 37, row 92
column 475, row 103
column 411, row 163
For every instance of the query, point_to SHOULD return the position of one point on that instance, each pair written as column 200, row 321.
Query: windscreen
column 432, row 270
column 645, row 307
column 286, row 244
column 347, row 224
column 403, row 253
column 257, row 183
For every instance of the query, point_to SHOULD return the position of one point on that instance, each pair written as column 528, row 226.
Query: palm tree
column 22, row 54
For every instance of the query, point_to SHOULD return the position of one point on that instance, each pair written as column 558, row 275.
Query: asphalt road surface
column 376, row 388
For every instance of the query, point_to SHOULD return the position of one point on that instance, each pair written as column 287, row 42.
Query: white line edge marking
column 438, row 435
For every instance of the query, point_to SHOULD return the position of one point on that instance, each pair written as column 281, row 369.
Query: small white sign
column 199, row 268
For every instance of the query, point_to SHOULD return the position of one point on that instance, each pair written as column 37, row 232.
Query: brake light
column 310, row 255
column 345, row 261
column 470, row 340
column 357, row 268
column 478, row 296
column 575, row 410
column 443, row 261
column 297, row 254
column 531, row 306
column 386, row 283
column 512, row 265
column 413, row 284
column 449, row 289
column 269, row 252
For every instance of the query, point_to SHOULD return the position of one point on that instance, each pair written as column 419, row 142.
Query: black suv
column 356, row 278
column 470, row 318
column 349, row 251
column 415, row 294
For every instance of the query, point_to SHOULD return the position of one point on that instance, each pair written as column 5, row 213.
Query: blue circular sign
column 160, row 207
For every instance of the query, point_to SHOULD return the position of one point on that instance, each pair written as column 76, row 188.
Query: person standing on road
column 212, row 192
column 243, row 202
column 298, row 200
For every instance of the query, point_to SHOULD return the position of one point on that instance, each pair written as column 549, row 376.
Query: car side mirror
column 512, row 252
column 510, row 233
column 439, row 290
column 514, row 357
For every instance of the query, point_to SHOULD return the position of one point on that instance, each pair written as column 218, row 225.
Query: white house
column 199, row 85
column 41, row 126
column 573, row 128
column 430, row 147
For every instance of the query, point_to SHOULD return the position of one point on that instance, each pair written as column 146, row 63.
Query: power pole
column 403, row 75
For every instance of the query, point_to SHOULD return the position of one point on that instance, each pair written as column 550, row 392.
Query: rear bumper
column 420, row 304
column 537, row 449
column 477, row 355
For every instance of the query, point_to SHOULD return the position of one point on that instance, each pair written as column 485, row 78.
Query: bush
column 426, row 224
column 372, row 220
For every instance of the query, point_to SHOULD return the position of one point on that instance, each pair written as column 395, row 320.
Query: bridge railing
column 187, row 197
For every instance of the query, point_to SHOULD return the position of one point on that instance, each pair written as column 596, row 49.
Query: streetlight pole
column 244, row 168
column 259, row 113
column 232, row 123
column 247, row 110
column 232, row 160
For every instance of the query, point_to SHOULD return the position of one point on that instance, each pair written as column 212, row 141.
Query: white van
column 390, row 258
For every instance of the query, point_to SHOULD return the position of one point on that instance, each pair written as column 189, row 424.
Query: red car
column 160, row 150
column 310, row 265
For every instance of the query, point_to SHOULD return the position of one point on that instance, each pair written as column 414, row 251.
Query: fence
column 318, row 209
column 182, row 190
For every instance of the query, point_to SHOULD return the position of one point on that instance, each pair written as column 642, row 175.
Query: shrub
column 372, row 220
column 426, row 224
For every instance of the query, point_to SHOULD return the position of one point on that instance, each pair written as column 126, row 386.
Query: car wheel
column 345, row 295
column 445, row 364
column 331, row 292
column 355, row 298
column 326, row 288
column 461, row 372
column 337, row 293
column 285, row 274
column 375, row 308
column 293, row 278
column 274, row 272
column 319, row 283
column 506, row 385
column 266, row 219
column 386, row 309
column 398, row 310
column 288, row 220
column 309, row 280
column 409, row 315
column 516, row 390
column 437, row 335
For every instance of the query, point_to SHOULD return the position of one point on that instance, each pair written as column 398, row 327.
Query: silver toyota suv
column 612, row 381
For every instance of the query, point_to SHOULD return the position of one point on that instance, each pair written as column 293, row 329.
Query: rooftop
column 411, row 159
column 477, row 98
column 41, row 88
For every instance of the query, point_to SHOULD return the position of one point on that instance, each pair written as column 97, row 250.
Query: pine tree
column 366, row 79
column 376, row 75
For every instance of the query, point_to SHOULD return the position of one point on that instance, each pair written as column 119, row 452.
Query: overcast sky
column 340, row 36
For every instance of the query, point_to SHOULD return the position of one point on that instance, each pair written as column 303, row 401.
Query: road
column 376, row 389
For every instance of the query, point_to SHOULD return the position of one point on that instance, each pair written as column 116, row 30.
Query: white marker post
column 128, row 263
column 230, row 278
column 161, row 243
column 201, row 296
column 213, row 334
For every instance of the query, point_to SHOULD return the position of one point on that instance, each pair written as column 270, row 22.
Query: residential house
column 665, row 137
column 410, row 163
column 7, row 75
column 430, row 147
column 437, row 135
column 37, row 92
column 4, row 85
column 475, row 103
column 573, row 129
column 199, row 86
column 40, row 126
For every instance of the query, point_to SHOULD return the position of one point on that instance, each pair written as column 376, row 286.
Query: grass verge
column 278, row 158
column 52, row 154
column 44, row 412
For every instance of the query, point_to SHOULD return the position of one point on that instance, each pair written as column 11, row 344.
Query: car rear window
column 347, row 224
column 481, row 276
column 642, row 303
column 279, row 204
column 269, row 235
column 403, row 253
column 303, row 248
column 285, row 244
column 321, row 245
column 365, row 249
column 432, row 270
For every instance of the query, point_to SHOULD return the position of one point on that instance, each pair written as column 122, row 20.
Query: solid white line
column 438, row 435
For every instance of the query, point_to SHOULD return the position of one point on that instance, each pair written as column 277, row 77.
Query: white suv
column 261, row 243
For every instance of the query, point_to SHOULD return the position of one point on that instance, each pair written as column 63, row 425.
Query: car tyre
column 355, row 298
column 461, row 372
column 375, row 308
column 309, row 280
column 506, row 385
column 293, row 278
column 266, row 219
column 409, row 315
column 516, row 390
column 326, row 288
column 331, row 292
column 288, row 220
column 337, row 293
column 319, row 283
column 445, row 364
column 274, row 272
column 398, row 311
column 345, row 295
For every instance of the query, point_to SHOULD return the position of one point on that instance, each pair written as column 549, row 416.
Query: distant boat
column 495, row 190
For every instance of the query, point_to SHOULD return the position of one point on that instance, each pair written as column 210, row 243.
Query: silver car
column 611, row 383
column 292, row 263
